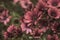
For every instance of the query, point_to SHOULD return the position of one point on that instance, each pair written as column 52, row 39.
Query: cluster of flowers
column 12, row 31
column 37, row 19
column 41, row 17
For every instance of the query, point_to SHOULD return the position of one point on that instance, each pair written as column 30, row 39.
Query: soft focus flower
column 31, row 22
column 56, row 28
column 23, row 27
column 4, row 15
column 7, row 20
column 52, row 37
column 26, row 4
column 41, row 6
column 53, row 3
column 5, row 34
column 11, row 28
column 54, row 12
column 28, row 31
column 12, row 31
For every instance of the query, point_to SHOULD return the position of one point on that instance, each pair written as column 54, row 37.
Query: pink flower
column 49, row 37
column 28, row 31
column 7, row 20
column 53, row 3
column 54, row 13
column 41, row 5
column 52, row 37
column 5, row 34
column 31, row 16
column 31, row 22
column 23, row 27
column 11, row 29
column 56, row 36
column 26, row 4
column 4, row 16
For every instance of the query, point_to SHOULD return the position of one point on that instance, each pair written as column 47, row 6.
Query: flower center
column 54, row 3
column 53, row 14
